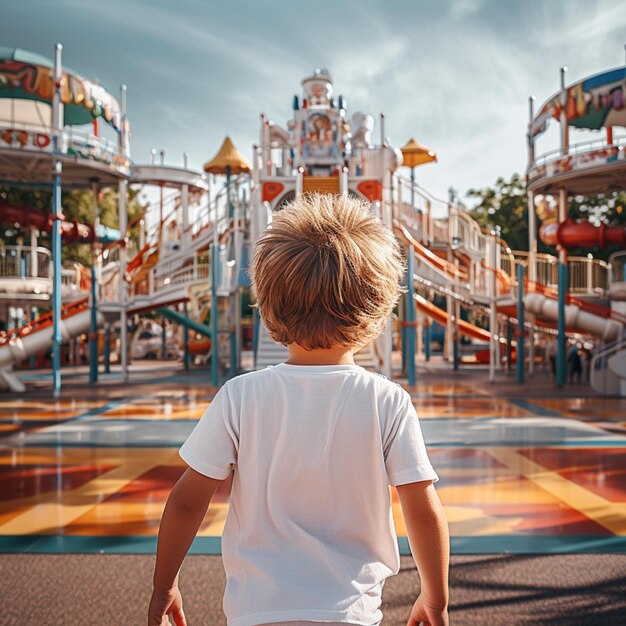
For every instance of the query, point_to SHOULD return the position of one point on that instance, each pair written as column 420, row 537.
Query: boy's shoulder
column 378, row 382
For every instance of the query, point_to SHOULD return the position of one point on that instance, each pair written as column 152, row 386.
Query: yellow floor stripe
column 60, row 509
column 611, row 515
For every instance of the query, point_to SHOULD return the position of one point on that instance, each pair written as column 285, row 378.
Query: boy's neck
column 337, row 355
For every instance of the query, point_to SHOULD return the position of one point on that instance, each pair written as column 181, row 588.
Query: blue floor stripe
column 484, row 544
column 530, row 406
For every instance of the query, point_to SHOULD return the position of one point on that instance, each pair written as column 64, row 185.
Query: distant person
column 313, row 443
column 574, row 363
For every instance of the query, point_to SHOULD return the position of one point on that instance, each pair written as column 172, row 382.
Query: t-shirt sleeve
column 406, row 459
column 211, row 448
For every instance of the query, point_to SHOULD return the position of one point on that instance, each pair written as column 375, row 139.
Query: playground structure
column 189, row 263
column 597, row 166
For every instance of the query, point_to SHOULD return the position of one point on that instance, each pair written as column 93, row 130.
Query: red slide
column 570, row 234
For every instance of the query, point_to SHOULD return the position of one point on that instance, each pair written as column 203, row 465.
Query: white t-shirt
column 309, row 534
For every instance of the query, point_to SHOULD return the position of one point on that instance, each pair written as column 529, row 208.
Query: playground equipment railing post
column 561, row 355
column 186, row 339
column 214, row 327
column 410, row 318
column 520, row 323
column 93, row 329
column 57, row 337
column 493, row 314
column 427, row 334
column 107, row 349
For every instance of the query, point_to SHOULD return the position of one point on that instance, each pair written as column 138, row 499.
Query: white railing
column 587, row 276
column 24, row 262
column 68, row 141
column 181, row 276
column 578, row 149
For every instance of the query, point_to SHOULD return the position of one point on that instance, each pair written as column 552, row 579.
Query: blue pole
column 32, row 361
column 427, row 334
column 410, row 318
column 520, row 323
column 560, row 353
column 107, row 349
column 93, row 329
column 56, row 279
column 185, row 339
column 214, row 329
column 163, row 339
column 234, row 366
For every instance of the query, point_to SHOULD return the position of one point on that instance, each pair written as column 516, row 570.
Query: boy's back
column 309, row 534
column 313, row 443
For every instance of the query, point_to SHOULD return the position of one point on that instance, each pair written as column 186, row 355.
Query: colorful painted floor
column 523, row 469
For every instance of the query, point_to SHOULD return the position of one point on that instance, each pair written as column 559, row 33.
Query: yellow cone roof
column 227, row 156
column 415, row 154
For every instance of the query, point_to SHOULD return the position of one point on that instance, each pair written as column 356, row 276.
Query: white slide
column 16, row 350
column 575, row 317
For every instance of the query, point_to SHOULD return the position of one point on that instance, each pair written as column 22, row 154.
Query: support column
column 427, row 339
column 520, row 323
column 56, row 280
column 493, row 315
column 123, row 295
column 93, row 324
column 563, row 283
column 93, row 328
column 214, row 307
column 531, row 346
column 410, row 318
column 186, row 338
column 107, row 348
column 449, row 336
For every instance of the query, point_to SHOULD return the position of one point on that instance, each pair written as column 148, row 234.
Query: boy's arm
column 183, row 514
column 430, row 544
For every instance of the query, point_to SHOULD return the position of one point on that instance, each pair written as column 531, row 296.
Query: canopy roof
column 415, row 154
column 27, row 75
column 595, row 102
column 227, row 157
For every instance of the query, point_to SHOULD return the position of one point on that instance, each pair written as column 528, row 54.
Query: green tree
column 504, row 206
column 76, row 205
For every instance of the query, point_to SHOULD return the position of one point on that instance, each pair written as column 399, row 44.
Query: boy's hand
column 164, row 603
column 423, row 613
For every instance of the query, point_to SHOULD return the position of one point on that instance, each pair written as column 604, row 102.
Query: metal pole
column 493, row 315
column 93, row 324
column 520, row 323
column 56, row 279
column 123, row 295
column 410, row 318
column 563, row 281
column 413, row 186
column 563, row 116
column 214, row 327
column 531, row 346
column 163, row 338
column 427, row 334
column 107, row 349
column 509, row 347
column 186, row 338
column 457, row 335
column 93, row 329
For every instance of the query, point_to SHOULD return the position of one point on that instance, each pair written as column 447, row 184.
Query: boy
column 313, row 443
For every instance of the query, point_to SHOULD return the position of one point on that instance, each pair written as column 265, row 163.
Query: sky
column 454, row 74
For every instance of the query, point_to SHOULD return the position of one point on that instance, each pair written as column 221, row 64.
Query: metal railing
column 67, row 141
column 587, row 276
column 578, row 149
column 24, row 262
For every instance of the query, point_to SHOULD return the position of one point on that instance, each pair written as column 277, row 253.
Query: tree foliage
column 77, row 205
column 505, row 206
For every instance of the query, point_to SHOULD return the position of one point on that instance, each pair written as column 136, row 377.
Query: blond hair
column 326, row 273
